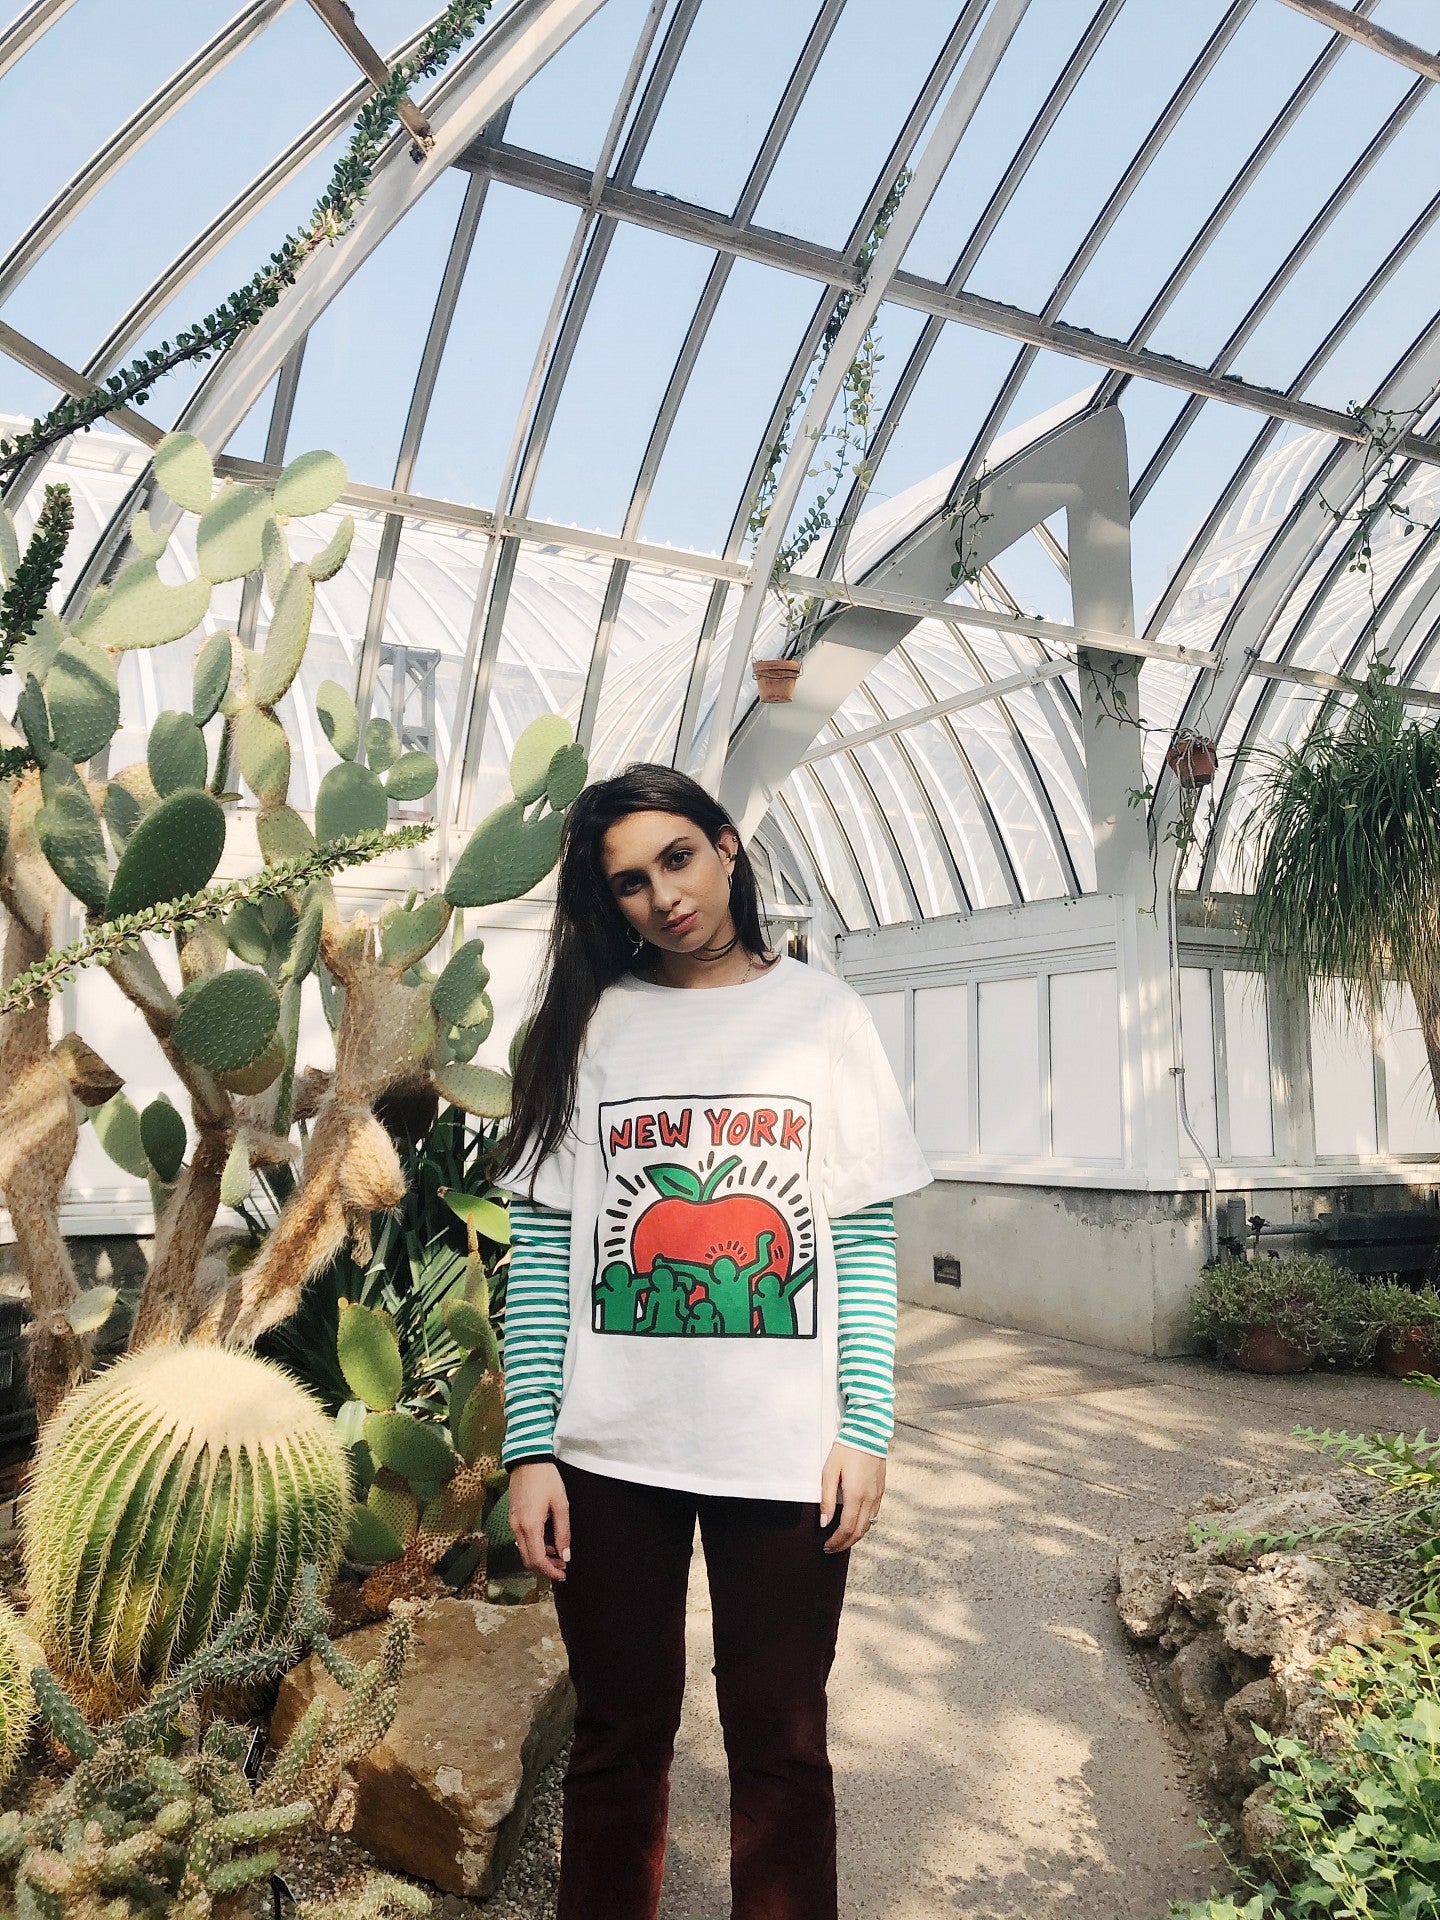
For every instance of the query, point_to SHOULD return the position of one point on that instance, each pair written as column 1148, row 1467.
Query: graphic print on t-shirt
column 706, row 1226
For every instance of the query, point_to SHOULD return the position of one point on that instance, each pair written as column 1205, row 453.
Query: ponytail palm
column 1344, row 842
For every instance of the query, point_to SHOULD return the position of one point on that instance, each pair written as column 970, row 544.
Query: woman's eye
column 680, row 855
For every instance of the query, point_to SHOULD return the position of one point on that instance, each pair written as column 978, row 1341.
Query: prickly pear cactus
column 178, row 1486
column 18, row 1654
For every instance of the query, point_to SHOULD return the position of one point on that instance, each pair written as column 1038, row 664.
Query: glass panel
column 859, row 818
column 377, row 324
column 1342, row 1072
column 651, row 650
column 932, row 747
column 519, row 250
column 1176, row 506
column 947, row 408
column 1247, row 1065
column 942, row 1071
column 1085, row 1065
column 1197, row 1029
column 924, row 859
column 170, row 188
column 1011, row 1123
column 1409, row 1084
column 1384, row 332
column 567, row 108
column 827, row 849
column 722, row 99
column 831, row 161
column 627, row 348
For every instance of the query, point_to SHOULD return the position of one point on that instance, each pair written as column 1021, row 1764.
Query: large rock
column 485, row 1704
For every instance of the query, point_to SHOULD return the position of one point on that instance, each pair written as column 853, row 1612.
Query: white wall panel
column 1247, row 1066
column 1409, row 1085
column 1197, row 1030
column 887, row 1010
column 1085, row 1065
column 942, row 1070
column 1342, row 1069
column 1009, row 1064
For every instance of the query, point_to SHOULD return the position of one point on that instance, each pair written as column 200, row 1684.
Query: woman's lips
column 680, row 926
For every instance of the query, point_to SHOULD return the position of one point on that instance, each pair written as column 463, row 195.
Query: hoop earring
column 637, row 943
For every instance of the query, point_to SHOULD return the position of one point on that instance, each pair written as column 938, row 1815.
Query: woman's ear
column 728, row 843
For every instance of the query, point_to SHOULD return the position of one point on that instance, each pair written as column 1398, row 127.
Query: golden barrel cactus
column 18, row 1654
column 184, row 1482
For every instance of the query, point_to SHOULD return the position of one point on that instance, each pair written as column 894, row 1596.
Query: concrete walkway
column 997, row 1756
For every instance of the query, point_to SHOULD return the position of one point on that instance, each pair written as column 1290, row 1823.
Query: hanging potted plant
column 775, row 679
column 1192, row 759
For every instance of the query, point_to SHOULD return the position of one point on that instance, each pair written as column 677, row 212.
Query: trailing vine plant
column 333, row 216
column 841, row 448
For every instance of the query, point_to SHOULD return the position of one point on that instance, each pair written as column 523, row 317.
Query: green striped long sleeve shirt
column 537, row 1324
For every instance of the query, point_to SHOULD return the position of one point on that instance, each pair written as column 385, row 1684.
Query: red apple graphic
column 691, row 1222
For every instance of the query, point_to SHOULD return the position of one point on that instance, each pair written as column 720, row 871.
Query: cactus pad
column 263, row 750
column 247, row 935
column 274, row 556
column 479, row 1090
column 173, row 851
column 227, row 541
column 458, row 996
column 336, row 551
column 68, row 829
column 370, row 1355
column 162, row 1134
column 117, row 1128
column 235, row 1175
column 282, row 834
column 261, row 1072
column 141, row 611
column 150, row 541
column 211, row 679
column 407, row 934
column 83, row 699
column 505, row 857
column 412, row 776
column 336, row 711
column 350, row 800
column 122, row 811
column 497, row 1527
column 382, row 744
column 183, row 468
column 18, row 1654
column 171, row 1490
column 177, row 753
column 369, row 1542
column 91, row 1081
column 409, row 1447
column 228, row 1021
column 566, row 777
column 312, row 483
column 275, row 669
column 534, row 750
column 33, row 719
column 305, row 947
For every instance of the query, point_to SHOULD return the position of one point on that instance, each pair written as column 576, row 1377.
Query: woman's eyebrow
column 624, row 873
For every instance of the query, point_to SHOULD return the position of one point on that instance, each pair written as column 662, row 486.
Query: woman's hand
column 537, row 1498
column 852, row 1485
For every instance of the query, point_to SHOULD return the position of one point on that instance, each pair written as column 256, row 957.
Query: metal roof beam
column 29, row 353
column 341, row 21
column 957, row 702
column 682, row 220
column 1326, row 13
column 21, row 35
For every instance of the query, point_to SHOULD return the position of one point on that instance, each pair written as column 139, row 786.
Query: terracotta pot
column 1414, row 1351
column 775, row 679
column 1262, row 1350
column 1192, row 760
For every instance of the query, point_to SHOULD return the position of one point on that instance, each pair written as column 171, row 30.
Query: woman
column 705, row 1140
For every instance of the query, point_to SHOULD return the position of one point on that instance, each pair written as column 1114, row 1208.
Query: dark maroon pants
column 776, row 1599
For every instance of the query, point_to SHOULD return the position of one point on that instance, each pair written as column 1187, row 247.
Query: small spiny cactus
column 18, row 1654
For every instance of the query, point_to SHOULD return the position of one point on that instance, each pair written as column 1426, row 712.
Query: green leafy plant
column 333, row 215
column 1304, row 1298
column 159, row 1819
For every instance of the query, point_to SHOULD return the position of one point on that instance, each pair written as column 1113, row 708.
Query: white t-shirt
column 715, row 1134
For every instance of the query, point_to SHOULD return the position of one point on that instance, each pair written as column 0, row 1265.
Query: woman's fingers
column 829, row 1489
column 538, row 1505
column 560, row 1514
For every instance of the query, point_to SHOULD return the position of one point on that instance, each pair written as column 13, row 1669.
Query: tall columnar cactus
column 18, row 1654
column 171, row 1490
column 148, row 1824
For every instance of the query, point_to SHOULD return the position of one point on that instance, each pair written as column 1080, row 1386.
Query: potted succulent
column 1405, row 1323
column 1192, row 759
column 775, row 679
column 1279, row 1316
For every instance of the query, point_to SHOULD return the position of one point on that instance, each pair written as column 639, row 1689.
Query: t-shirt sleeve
column 871, row 1152
column 554, row 1177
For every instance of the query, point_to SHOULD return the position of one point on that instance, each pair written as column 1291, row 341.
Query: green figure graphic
column 704, row 1318
column 668, row 1307
column 616, row 1292
column 729, row 1285
column 775, row 1300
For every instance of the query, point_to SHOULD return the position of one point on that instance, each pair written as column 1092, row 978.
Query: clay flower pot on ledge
column 1262, row 1350
column 775, row 679
column 1409, row 1350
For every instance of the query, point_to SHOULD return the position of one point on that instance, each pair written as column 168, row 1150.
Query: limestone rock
column 1201, row 1681
column 1292, row 1510
column 485, row 1704
column 1145, row 1569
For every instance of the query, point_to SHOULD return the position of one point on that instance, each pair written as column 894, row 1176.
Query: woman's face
column 669, row 881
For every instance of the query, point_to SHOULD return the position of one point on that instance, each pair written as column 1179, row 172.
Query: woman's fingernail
column 824, row 1517
column 565, row 1556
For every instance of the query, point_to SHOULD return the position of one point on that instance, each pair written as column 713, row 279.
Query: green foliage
column 333, row 216
column 479, row 1090
column 117, row 1128
column 272, row 674
column 30, row 582
column 338, row 718
column 408, row 933
column 176, row 756
column 68, row 829
column 141, row 611
column 171, row 854
column 177, row 1487
column 311, row 483
column 1304, row 1298
column 162, row 1134
column 459, row 996
column 156, row 1820
column 534, row 751
column 83, row 699
column 411, row 777
column 227, row 540
column 369, row 1355
column 211, row 679
column 505, row 857
column 227, row 1021
column 350, row 800
column 1343, row 844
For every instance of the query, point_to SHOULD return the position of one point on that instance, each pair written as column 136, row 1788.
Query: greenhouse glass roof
column 558, row 365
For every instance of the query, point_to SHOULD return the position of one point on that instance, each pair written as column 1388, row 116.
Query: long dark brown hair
column 591, row 945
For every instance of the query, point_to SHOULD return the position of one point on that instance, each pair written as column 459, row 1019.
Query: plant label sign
column 706, row 1227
